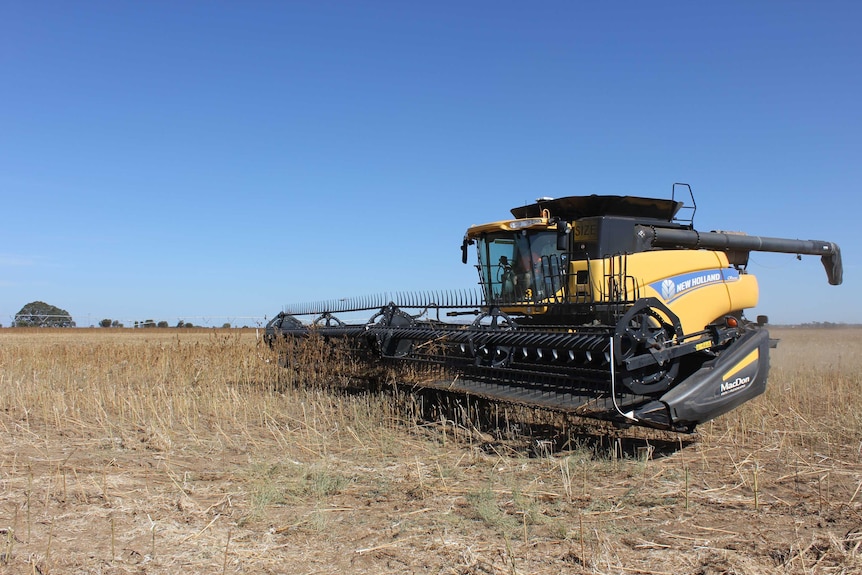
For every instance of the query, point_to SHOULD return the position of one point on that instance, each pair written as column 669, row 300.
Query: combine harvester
column 609, row 307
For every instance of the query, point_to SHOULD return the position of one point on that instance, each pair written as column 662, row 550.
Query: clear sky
column 161, row 160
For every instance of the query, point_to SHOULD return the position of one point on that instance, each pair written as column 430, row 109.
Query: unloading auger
column 610, row 307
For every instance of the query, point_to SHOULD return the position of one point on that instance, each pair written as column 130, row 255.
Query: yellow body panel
column 745, row 294
column 699, row 286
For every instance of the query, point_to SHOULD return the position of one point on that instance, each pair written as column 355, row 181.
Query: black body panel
column 737, row 375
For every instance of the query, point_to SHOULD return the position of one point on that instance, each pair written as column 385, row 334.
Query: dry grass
column 190, row 451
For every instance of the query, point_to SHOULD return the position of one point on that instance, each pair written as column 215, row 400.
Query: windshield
column 520, row 266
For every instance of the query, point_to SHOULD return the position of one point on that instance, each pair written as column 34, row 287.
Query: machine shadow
column 527, row 431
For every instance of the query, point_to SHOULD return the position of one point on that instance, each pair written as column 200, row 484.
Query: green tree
column 41, row 314
column 162, row 324
column 105, row 323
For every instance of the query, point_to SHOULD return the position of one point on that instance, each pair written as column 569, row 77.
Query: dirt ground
column 749, row 493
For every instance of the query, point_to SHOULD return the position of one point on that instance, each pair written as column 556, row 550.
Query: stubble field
column 182, row 451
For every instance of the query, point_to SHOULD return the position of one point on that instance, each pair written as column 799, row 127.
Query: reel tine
column 435, row 298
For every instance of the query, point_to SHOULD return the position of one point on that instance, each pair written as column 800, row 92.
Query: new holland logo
column 668, row 289
column 677, row 286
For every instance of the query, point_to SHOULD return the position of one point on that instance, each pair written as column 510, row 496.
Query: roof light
column 520, row 224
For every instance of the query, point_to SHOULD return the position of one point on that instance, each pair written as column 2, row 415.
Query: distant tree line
column 149, row 323
column 825, row 325
column 41, row 314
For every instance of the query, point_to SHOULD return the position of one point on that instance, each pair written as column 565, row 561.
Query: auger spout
column 660, row 237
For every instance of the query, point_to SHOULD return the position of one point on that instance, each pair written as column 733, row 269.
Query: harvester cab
column 520, row 264
column 612, row 307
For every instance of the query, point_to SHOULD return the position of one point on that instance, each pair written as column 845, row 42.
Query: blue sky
column 221, row 159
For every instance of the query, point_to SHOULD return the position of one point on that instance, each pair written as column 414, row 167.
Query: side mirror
column 464, row 245
column 563, row 235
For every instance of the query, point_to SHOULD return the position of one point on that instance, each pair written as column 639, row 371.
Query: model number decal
column 586, row 231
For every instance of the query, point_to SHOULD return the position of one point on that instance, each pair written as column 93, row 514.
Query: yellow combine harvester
column 612, row 307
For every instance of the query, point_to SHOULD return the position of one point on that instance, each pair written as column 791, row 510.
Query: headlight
column 520, row 224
